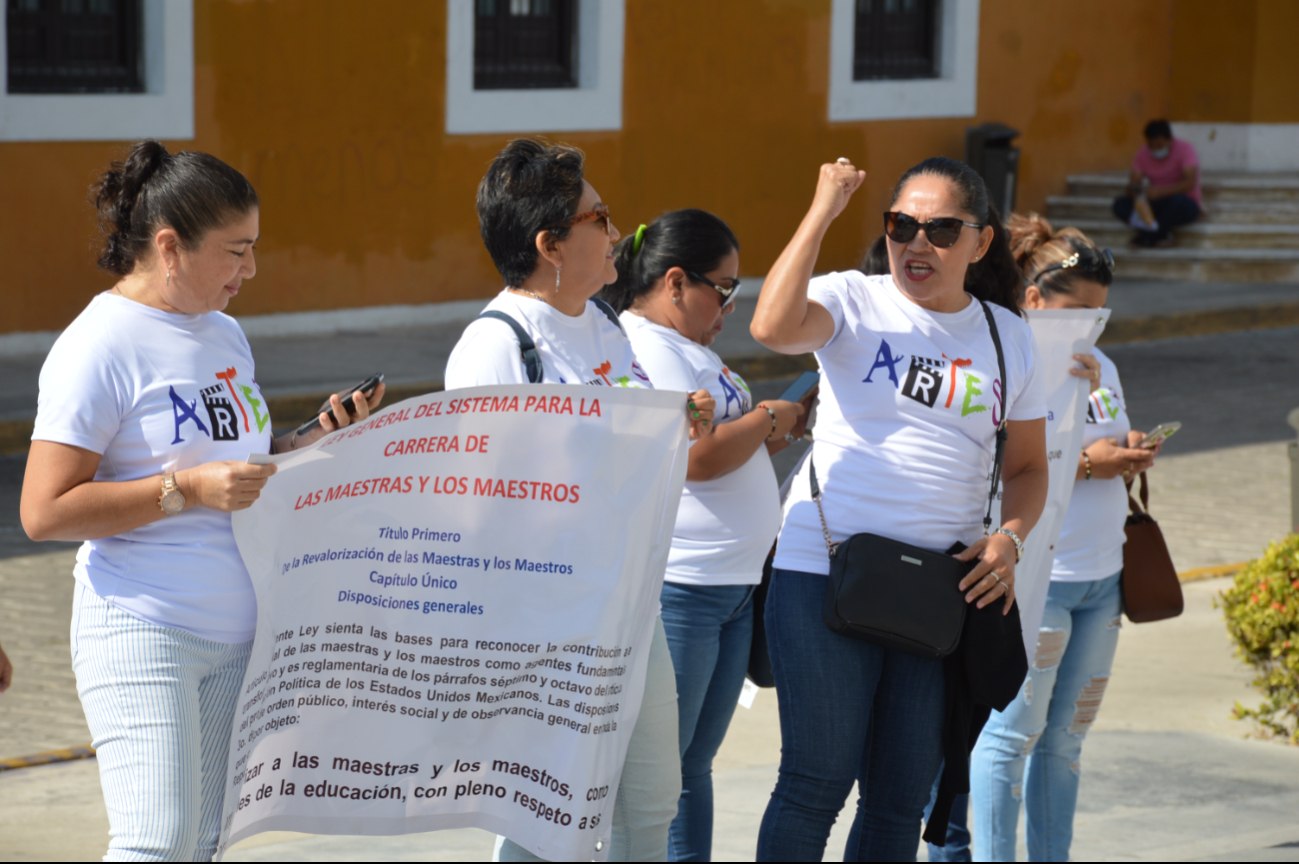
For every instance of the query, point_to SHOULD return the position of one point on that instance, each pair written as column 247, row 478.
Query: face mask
column 1160, row 154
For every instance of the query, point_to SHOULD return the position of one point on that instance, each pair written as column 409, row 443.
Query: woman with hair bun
column 148, row 409
column 911, row 404
column 1036, row 742
column 677, row 281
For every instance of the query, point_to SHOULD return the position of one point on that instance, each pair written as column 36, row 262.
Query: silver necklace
column 529, row 293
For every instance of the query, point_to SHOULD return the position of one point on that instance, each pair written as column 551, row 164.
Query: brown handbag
column 1151, row 590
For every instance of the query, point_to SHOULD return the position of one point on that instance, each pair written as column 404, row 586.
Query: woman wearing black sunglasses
column 677, row 280
column 911, row 398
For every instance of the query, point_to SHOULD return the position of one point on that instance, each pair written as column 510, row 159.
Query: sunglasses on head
column 599, row 211
column 1097, row 261
column 727, row 293
column 942, row 233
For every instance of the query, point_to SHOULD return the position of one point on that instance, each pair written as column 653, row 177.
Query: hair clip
column 637, row 240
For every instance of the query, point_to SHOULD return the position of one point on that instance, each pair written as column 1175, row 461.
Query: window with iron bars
column 895, row 39
column 525, row 44
column 74, row 46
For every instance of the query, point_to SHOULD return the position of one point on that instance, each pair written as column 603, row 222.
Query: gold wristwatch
column 171, row 499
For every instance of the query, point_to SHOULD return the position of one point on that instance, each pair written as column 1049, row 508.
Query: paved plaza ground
column 1167, row 774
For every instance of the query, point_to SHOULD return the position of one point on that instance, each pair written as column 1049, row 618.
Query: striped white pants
column 160, row 703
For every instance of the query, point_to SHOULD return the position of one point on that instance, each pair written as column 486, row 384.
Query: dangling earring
column 169, row 276
column 557, row 269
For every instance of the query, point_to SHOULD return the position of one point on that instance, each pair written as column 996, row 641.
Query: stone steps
column 1214, row 186
column 1095, row 207
column 1208, row 265
column 1202, row 235
column 1249, row 231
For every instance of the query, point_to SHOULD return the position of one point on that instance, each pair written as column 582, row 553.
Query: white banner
column 455, row 605
column 1060, row 334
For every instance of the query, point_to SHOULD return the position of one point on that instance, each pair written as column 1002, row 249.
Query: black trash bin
column 988, row 151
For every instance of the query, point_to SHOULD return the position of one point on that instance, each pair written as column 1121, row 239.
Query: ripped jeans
column 1043, row 729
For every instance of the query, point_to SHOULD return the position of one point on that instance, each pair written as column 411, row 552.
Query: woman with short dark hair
column 910, row 406
column 148, row 409
column 677, row 280
column 553, row 241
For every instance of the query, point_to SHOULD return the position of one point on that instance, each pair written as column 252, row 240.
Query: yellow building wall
column 1234, row 62
column 335, row 112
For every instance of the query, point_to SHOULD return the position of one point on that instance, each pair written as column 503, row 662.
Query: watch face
column 172, row 502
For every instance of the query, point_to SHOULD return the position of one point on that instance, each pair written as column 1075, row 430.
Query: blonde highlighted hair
column 1036, row 245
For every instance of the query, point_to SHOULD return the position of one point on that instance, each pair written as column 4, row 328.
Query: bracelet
column 1087, row 465
column 1014, row 538
column 773, row 419
column 293, row 442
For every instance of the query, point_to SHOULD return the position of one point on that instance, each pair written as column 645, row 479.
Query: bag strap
column 608, row 313
column 1144, row 493
column 1000, row 452
column 1001, row 427
column 527, row 348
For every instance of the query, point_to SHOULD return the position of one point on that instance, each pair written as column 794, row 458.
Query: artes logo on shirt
column 221, row 401
column 1103, row 406
column 735, row 390
column 924, row 380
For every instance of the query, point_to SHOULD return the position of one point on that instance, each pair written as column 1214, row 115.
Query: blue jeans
column 710, row 629
column 1043, row 729
column 849, row 711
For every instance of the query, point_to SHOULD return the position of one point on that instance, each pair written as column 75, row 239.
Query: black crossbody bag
column 897, row 595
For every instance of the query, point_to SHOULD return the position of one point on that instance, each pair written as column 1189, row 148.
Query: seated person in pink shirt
column 1166, row 171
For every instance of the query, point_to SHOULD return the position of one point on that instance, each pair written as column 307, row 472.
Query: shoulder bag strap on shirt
column 996, row 461
column 608, row 313
column 1001, row 425
column 527, row 348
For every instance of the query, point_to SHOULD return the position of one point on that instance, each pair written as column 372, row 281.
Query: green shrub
column 1262, row 612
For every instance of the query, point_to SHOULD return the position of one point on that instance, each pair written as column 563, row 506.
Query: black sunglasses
column 1101, row 263
column 942, row 233
column 727, row 293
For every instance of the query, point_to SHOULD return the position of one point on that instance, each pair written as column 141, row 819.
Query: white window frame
column 164, row 110
column 595, row 104
column 951, row 94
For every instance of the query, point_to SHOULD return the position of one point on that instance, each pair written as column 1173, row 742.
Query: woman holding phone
column 553, row 240
column 1036, row 742
column 677, row 281
column 910, row 405
column 148, row 409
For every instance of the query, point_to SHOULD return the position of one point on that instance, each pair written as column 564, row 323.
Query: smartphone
column 1159, row 435
column 802, row 385
column 366, row 387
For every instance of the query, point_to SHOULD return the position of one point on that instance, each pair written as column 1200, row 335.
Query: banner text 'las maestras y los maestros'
column 455, row 604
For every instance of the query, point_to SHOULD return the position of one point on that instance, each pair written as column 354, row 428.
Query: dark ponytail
column 994, row 278
column 189, row 192
column 691, row 239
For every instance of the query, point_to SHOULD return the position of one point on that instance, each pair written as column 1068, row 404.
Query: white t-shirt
column 1091, row 542
column 153, row 393
column 588, row 349
column 908, row 413
column 725, row 526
